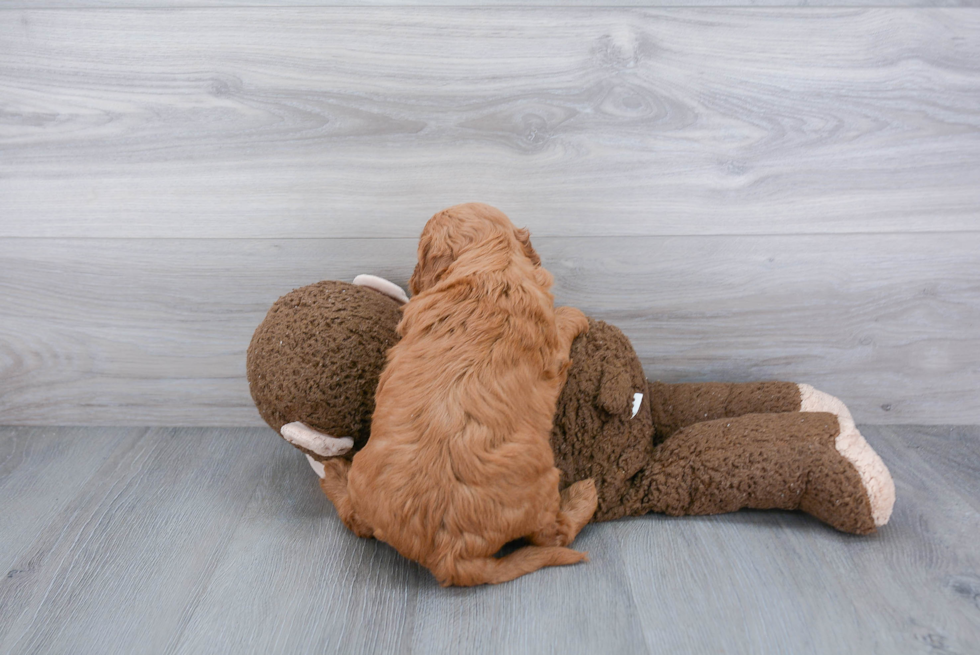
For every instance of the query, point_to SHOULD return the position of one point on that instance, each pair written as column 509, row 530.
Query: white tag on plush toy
column 637, row 401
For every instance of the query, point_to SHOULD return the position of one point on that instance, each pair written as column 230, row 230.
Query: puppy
column 459, row 461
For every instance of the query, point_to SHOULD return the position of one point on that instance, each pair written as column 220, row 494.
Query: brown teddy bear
column 681, row 449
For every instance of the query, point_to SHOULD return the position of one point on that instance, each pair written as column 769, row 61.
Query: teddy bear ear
column 389, row 289
column 616, row 391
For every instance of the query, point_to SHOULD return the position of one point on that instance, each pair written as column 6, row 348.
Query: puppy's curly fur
column 459, row 462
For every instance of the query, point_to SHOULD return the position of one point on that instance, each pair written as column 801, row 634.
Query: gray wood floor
column 194, row 540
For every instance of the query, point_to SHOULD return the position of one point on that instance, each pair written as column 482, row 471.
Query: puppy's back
column 459, row 462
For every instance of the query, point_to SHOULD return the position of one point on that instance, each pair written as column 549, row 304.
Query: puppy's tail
column 494, row 570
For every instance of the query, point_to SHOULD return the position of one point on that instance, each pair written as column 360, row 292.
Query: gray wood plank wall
column 748, row 193
column 197, row 4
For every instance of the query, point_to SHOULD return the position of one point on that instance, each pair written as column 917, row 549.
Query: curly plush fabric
column 699, row 448
column 317, row 356
column 770, row 461
column 594, row 435
column 678, row 405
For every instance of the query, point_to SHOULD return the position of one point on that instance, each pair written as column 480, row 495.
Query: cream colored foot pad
column 852, row 446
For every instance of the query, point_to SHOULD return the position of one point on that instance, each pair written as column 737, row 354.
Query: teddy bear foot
column 875, row 478
column 306, row 438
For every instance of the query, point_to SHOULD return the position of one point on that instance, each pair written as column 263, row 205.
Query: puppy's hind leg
column 494, row 570
column 334, row 485
column 578, row 504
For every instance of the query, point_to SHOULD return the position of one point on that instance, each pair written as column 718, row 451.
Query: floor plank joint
column 192, row 540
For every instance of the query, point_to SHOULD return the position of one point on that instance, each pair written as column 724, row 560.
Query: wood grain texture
column 219, row 541
column 115, row 570
column 553, row 613
column 951, row 452
column 235, row 4
column 104, row 332
column 41, row 471
column 775, row 581
column 357, row 122
column 294, row 581
column 931, row 568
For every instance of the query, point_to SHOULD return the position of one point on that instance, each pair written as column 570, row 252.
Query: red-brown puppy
column 459, row 462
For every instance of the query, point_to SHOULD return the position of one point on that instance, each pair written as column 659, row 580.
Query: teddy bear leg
column 762, row 461
column 853, row 447
column 676, row 406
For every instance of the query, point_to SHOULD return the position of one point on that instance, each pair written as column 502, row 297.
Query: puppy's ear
column 431, row 267
column 524, row 236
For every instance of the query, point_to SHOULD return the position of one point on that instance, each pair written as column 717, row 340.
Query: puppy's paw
column 573, row 320
column 580, row 500
column 333, row 481
column 578, row 504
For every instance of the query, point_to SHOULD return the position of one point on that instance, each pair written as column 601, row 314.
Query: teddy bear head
column 317, row 356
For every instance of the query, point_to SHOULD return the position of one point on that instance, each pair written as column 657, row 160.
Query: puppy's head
column 453, row 232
